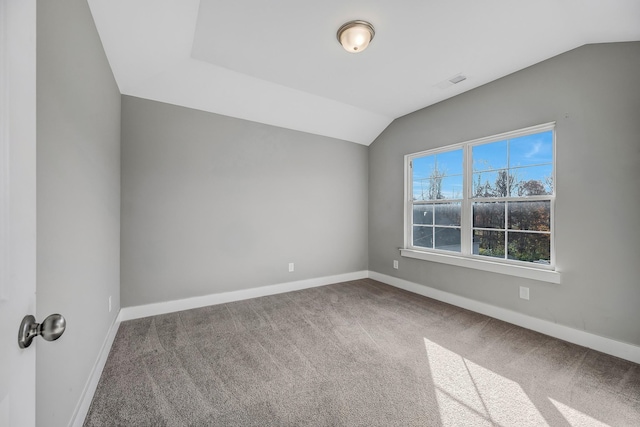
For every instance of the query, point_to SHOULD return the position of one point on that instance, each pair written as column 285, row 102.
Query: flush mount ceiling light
column 355, row 36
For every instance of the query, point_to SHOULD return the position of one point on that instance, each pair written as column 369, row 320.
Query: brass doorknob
column 51, row 329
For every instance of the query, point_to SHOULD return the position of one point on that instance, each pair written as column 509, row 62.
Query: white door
column 17, row 208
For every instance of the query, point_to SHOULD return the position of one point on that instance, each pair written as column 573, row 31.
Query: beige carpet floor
column 354, row 354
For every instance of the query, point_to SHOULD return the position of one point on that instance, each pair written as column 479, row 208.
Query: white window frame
column 466, row 258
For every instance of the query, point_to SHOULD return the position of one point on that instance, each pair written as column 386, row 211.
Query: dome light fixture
column 355, row 36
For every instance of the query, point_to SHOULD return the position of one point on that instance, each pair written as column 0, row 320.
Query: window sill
column 494, row 267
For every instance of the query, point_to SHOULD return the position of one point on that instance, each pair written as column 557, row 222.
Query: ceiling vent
column 452, row 81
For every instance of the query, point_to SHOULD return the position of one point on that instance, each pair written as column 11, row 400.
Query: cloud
column 535, row 149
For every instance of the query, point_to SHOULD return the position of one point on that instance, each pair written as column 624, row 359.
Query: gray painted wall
column 213, row 204
column 78, row 202
column 593, row 95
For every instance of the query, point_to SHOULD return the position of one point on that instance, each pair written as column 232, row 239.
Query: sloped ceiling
column 278, row 62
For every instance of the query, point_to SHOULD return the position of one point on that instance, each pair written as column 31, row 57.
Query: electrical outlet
column 291, row 267
column 524, row 292
column 109, row 304
column 395, row 264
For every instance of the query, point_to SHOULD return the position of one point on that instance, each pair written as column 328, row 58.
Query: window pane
column 421, row 189
column 438, row 176
column 434, row 189
column 450, row 162
column 483, row 184
column 488, row 243
column 422, row 167
column 423, row 236
column 451, row 187
column 533, row 216
column 489, row 156
column 448, row 239
column 533, row 181
column 533, row 149
column 531, row 247
column 488, row 215
column 448, row 213
column 437, row 187
column 494, row 184
column 423, row 214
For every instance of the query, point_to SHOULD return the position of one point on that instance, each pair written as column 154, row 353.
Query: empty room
column 336, row 213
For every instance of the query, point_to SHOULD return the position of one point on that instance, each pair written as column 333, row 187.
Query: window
column 490, row 199
column 437, row 200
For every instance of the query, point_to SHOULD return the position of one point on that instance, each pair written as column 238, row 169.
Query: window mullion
column 506, row 230
column 408, row 215
column 466, row 217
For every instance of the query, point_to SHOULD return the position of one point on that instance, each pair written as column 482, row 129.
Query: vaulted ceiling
column 279, row 62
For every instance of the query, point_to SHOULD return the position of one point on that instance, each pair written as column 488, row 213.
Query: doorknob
column 51, row 329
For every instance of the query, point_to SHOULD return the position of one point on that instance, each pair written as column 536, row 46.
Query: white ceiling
column 278, row 62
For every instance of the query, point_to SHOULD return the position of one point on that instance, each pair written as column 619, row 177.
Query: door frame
column 17, row 207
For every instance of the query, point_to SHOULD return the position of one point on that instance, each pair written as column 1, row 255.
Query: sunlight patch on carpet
column 576, row 418
column 469, row 394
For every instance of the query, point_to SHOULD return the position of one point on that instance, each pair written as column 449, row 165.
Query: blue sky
column 529, row 157
column 526, row 150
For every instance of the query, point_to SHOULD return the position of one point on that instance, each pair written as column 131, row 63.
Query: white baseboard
column 605, row 345
column 136, row 312
column 129, row 313
column 82, row 408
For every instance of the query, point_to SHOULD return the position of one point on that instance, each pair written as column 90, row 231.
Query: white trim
column 82, row 408
column 4, row 153
column 512, row 134
column 596, row 342
column 551, row 276
column 136, row 312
